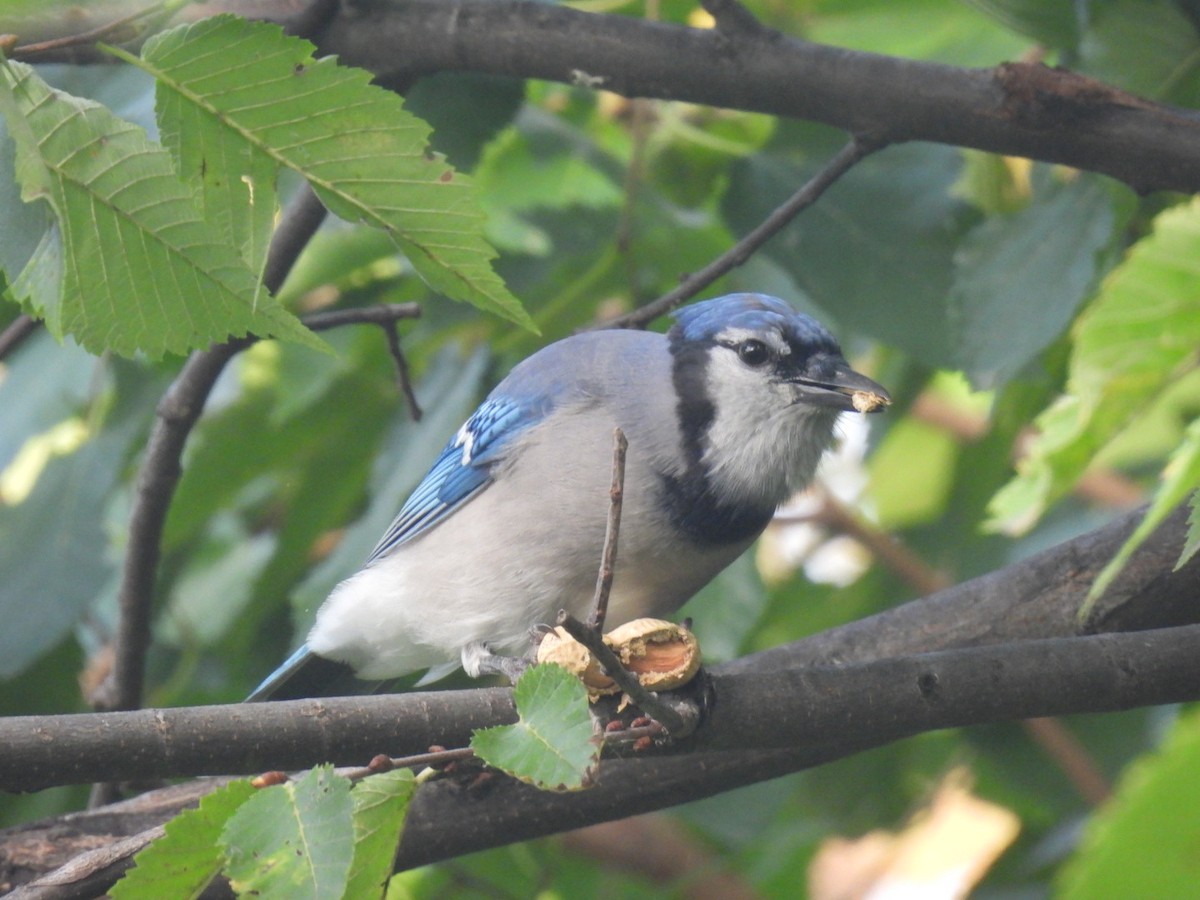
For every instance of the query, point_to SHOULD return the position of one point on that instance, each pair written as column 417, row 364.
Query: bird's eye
column 753, row 353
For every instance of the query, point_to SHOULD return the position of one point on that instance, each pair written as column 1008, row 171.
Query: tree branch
column 805, row 197
column 763, row 723
column 764, row 709
column 860, row 663
column 1017, row 109
column 1033, row 599
column 22, row 327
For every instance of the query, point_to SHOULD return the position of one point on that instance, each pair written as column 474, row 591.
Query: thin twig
column 645, row 700
column 846, row 158
column 402, row 373
column 383, row 314
column 91, row 36
column 612, row 532
column 15, row 334
column 419, row 760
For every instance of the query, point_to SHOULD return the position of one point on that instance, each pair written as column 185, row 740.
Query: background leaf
column 1142, row 842
column 1025, row 275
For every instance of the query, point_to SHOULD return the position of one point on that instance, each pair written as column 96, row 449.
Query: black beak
column 843, row 388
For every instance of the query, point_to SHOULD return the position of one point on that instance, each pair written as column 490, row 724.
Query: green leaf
column 182, row 862
column 466, row 110
column 925, row 29
column 1024, row 275
column 250, row 87
column 1180, row 478
column 1053, row 22
column 380, row 806
column 1146, row 48
column 1137, row 337
column 876, row 252
column 145, row 272
column 53, row 545
column 294, row 840
column 1193, row 535
column 553, row 745
column 44, row 383
column 211, row 594
column 233, row 179
column 1142, row 842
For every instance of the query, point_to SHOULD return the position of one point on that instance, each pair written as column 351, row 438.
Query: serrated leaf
column 183, row 861
column 249, row 85
column 380, row 806
column 1180, row 478
column 553, row 745
column 1136, row 337
column 144, row 271
column 233, row 180
column 293, row 841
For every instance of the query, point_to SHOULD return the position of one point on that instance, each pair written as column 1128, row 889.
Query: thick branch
column 779, row 721
column 1032, row 599
column 1016, row 108
column 1019, row 109
column 867, row 702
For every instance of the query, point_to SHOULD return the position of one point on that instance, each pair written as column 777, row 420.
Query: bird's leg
column 478, row 660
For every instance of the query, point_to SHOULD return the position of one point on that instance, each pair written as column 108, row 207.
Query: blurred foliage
column 991, row 295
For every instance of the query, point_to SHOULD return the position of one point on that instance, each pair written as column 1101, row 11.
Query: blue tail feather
column 304, row 674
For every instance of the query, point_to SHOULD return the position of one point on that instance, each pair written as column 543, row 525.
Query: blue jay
column 726, row 415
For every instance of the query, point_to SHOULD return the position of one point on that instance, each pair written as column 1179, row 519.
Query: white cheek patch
column 761, row 444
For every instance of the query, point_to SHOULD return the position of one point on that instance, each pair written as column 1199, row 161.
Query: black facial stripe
column 693, row 406
column 695, row 511
column 688, row 498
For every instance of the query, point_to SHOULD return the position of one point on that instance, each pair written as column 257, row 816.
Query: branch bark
column 1018, row 109
column 981, row 651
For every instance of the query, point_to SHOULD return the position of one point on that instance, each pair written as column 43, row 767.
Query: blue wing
column 462, row 470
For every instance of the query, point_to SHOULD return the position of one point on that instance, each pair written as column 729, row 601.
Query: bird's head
column 760, row 387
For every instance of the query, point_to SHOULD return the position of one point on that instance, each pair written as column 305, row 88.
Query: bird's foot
column 478, row 660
